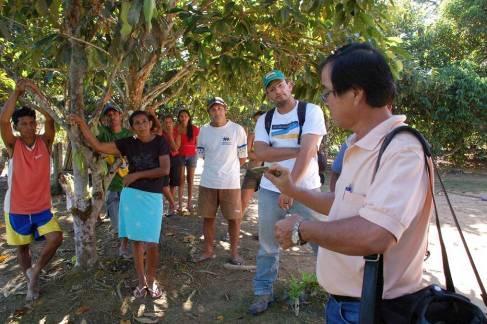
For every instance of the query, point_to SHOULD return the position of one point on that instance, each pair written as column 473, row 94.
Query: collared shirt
column 398, row 200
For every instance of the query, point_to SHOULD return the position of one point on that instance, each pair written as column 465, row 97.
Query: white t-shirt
column 284, row 133
column 221, row 148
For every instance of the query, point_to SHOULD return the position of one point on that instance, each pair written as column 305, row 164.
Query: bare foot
column 32, row 285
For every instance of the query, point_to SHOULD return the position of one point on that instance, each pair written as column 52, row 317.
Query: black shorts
column 173, row 178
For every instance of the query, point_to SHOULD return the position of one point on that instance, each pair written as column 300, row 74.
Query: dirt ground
column 207, row 293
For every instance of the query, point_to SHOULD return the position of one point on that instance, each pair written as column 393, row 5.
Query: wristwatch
column 295, row 235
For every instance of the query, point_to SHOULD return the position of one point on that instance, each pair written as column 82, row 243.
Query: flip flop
column 140, row 292
column 236, row 261
column 203, row 258
column 155, row 292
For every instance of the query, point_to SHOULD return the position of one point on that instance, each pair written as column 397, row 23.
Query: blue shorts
column 140, row 215
column 189, row 161
column 22, row 229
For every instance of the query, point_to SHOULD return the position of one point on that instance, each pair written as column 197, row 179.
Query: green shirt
column 105, row 134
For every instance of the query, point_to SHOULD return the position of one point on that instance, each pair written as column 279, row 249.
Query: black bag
column 428, row 305
column 432, row 304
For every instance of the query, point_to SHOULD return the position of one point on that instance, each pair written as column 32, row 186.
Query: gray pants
column 112, row 202
column 269, row 251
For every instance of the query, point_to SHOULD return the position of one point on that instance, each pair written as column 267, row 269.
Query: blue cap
column 271, row 76
column 109, row 106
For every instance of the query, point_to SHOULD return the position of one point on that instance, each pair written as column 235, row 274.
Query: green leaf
column 284, row 15
column 175, row 10
column 79, row 160
column 104, row 168
column 202, row 58
column 229, row 7
column 41, row 7
column 134, row 12
column 126, row 28
column 201, row 30
column 149, row 8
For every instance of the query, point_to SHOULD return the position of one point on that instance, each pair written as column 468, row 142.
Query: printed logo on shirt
column 285, row 131
column 226, row 141
column 37, row 157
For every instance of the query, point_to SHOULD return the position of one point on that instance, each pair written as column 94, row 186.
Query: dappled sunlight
column 224, row 245
column 245, row 233
column 188, row 304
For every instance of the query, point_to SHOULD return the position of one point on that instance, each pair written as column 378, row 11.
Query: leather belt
column 345, row 298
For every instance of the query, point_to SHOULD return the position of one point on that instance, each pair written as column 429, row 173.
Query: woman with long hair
column 187, row 153
column 141, row 206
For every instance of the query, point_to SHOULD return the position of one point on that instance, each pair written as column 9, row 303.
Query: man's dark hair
column 23, row 112
column 359, row 65
column 189, row 128
column 137, row 113
column 258, row 113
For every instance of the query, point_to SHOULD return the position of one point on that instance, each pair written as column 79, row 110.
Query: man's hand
column 281, row 178
column 129, row 178
column 76, row 120
column 284, row 229
column 23, row 84
column 285, row 202
column 151, row 111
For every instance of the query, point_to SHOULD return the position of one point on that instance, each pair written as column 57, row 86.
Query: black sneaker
column 260, row 304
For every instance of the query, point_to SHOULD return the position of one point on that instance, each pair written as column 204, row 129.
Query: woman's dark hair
column 189, row 128
column 168, row 116
column 23, row 112
column 359, row 65
column 137, row 113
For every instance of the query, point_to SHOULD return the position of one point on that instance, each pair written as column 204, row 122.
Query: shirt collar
column 373, row 138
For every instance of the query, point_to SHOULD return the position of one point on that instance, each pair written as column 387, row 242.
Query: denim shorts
column 189, row 161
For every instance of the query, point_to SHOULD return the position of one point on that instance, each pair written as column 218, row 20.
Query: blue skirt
column 140, row 215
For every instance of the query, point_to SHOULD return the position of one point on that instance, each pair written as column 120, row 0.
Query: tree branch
column 157, row 90
column 108, row 91
column 45, row 105
column 166, row 99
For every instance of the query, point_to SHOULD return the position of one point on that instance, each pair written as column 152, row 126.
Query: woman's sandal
column 140, row 292
column 155, row 291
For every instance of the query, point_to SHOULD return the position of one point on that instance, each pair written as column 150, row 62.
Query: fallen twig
column 208, row 272
column 230, row 266
column 119, row 289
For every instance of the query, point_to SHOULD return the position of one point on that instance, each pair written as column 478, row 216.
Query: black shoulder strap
column 301, row 118
column 268, row 120
column 390, row 136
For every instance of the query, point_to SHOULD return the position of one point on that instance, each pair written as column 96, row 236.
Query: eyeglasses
column 326, row 94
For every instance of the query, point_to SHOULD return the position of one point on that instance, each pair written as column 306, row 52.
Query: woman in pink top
column 187, row 153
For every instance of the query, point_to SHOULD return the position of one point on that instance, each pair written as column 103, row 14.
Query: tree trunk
column 84, row 218
column 57, row 158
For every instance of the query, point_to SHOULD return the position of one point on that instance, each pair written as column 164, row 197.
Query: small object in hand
column 259, row 170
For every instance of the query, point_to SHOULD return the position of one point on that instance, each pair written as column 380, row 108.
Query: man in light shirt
column 223, row 146
column 289, row 134
column 388, row 216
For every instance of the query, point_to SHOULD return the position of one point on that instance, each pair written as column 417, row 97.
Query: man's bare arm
column 267, row 153
column 307, row 152
column 8, row 109
column 350, row 236
column 316, row 200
